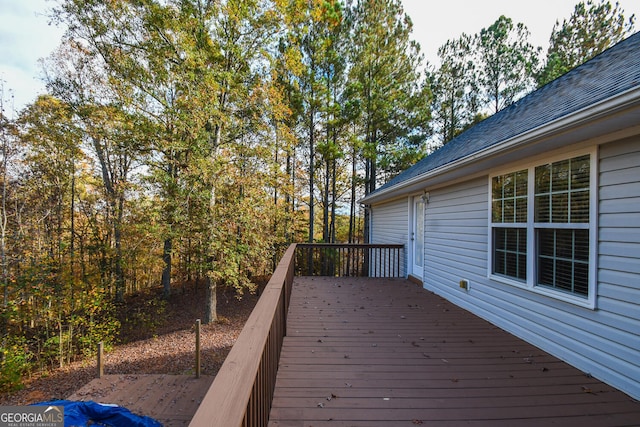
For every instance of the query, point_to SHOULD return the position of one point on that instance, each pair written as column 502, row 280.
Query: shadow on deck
column 385, row 352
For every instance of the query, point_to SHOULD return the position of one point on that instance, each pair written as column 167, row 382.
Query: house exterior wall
column 389, row 225
column 619, row 258
column 603, row 341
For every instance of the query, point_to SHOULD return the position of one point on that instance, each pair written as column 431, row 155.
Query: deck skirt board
column 386, row 352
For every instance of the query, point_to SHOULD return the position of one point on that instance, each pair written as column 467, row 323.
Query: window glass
column 562, row 197
column 563, row 260
column 559, row 228
column 509, row 198
column 510, row 253
column 562, row 191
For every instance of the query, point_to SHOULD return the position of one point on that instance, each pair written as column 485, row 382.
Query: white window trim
column 531, row 283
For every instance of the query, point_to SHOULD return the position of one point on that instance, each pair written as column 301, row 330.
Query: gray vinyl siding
column 604, row 342
column 456, row 237
column 389, row 225
column 619, row 255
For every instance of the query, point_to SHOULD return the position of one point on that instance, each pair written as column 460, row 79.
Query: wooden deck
column 385, row 352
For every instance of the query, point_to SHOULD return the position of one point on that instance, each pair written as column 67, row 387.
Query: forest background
column 191, row 140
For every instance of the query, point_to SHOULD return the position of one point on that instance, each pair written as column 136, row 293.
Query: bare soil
column 158, row 337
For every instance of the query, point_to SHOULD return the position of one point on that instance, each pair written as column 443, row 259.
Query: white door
column 417, row 238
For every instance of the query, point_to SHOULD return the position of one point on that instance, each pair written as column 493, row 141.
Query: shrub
column 15, row 361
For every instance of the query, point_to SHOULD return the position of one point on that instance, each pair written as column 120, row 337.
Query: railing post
column 198, row 348
column 310, row 260
column 100, row 359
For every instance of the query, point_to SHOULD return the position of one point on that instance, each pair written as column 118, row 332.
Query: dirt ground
column 164, row 343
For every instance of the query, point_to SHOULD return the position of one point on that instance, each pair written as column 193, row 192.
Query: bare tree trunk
column 117, row 235
column 332, row 230
column 311, row 173
column 72, row 246
column 289, row 202
column 3, row 227
column 325, row 209
column 211, row 308
column 352, row 207
column 166, row 271
column 211, row 313
column 366, row 191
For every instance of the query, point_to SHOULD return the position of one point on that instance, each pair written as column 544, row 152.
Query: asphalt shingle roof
column 610, row 73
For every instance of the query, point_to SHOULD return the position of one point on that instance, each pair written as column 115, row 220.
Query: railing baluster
column 349, row 260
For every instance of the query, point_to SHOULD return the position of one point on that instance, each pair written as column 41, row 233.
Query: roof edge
column 599, row 109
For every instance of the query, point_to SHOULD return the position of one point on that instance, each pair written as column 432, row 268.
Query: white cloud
column 25, row 37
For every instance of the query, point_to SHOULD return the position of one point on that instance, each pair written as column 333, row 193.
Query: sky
column 26, row 35
column 436, row 21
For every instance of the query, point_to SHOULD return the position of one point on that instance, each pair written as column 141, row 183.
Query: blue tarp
column 80, row 414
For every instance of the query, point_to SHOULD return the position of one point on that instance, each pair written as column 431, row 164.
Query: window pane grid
column 562, row 191
column 563, row 260
column 509, row 198
column 510, row 253
column 509, row 208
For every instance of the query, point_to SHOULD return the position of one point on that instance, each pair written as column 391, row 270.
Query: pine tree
column 386, row 80
column 592, row 28
column 455, row 88
column 506, row 62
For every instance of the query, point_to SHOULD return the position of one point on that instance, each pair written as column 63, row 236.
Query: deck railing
column 242, row 391
column 351, row 260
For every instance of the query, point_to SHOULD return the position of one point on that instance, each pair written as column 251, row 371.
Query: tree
column 394, row 103
column 133, row 45
column 385, row 79
column 52, row 152
column 109, row 131
column 332, row 74
column 455, row 88
column 7, row 138
column 591, row 29
column 286, row 67
column 506, row 62
column 237, row 245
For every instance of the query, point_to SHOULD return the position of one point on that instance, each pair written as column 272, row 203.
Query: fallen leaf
column 586, row 389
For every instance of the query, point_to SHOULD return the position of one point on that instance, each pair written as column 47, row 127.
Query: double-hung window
column 509, row 216
column 541, row 228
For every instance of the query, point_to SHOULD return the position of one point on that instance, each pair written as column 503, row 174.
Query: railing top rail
column 225, row 404
column 350, row 245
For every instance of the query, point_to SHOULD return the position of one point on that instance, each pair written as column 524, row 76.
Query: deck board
column 385, row 352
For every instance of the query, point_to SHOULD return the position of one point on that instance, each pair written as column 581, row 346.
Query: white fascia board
column 607, row 107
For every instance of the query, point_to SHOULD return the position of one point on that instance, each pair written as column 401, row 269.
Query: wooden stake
column 198, row 348
column 100, row 359
column 61, row 347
